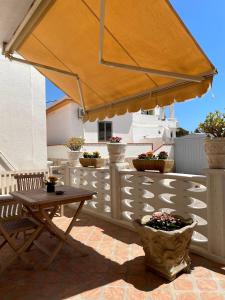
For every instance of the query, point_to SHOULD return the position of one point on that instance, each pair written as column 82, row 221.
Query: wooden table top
column 42, row 198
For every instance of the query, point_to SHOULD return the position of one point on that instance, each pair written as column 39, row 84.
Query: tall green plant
column 214, row 124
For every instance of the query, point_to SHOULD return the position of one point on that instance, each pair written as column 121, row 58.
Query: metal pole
column 154, row 72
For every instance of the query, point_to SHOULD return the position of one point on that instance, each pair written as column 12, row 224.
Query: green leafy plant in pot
column 214, row 128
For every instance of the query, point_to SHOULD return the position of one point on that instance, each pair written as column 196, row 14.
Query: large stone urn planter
column 215, row 151
column 166, row 252
column 74, row 157
column 161, row 165
column 116, row 152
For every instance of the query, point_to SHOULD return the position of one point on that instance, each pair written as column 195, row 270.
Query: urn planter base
column 166, row 252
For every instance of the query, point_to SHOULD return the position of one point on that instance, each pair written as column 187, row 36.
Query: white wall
column 63, row 124
column 190, row 157
column 22, row 116
column 121, row 126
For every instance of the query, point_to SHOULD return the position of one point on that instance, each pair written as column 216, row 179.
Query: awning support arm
column 155, row 72
column 50, row 68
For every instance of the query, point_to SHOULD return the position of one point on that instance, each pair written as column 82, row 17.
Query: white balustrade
column 96, row 180
column 143, row 193
column 8, row 183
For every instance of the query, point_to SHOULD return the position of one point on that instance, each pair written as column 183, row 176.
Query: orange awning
column 142, row 35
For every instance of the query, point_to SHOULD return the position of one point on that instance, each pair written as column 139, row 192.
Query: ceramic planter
column 116, row 152
column 74, row 157
column 166, row 252
column 215, row 151
column 161, row 165
column 92, row 162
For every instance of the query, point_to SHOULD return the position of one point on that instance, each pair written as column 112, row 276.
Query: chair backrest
column 9, row 208
column 26, row 182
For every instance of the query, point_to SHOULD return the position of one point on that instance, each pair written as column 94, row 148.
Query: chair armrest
column 7, row 199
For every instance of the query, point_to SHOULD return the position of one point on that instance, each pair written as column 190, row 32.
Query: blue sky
column 206, row 21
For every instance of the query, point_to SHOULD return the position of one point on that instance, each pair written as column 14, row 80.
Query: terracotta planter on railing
column 161, row 165
column 92, row 162
column 166, row 252
column 215, row 151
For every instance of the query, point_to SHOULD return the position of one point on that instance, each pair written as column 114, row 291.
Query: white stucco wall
column 121, row 126
column 22, row 116
column 190, row 157
column 62, row 124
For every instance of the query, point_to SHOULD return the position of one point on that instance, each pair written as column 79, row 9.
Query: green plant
column 181, row 132
column 214, row 124
column 162, row 155
column 75, row 143
column 165, row 222
column 95, row 154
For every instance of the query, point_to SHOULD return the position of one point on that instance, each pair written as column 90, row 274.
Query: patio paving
column 114, row 269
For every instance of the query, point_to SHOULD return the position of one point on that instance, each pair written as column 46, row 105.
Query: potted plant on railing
column 50, row 183
column 116, row 149
column 166, row 239
column 148, row 161
column 92, row 160
column 74, row 144
column 214, row 127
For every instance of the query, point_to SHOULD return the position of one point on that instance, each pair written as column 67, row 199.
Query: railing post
column 216, row 211
column 116, row 164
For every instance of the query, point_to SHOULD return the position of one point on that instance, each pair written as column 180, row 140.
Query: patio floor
column 114, row 269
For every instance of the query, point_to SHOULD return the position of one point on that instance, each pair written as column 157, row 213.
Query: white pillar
column 171, row 108
column 216, row 211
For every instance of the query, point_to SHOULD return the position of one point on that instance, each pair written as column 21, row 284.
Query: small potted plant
column 50, row 183
column 148, row 161
column 166, row 239
column 116, row 149
column 74, row 144
column 214, row 127
column 92, row 160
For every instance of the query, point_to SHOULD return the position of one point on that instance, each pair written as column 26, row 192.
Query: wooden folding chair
column 27, row 182
column 12, row 222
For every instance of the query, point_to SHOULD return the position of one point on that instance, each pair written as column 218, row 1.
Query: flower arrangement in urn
column 115, row 139
column 214, row 127
column 74, row 144
column 149, row 161
column 166, row 239
column 50, row 183
column 92, row 159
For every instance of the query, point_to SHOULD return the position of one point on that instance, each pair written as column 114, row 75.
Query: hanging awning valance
column 147, row 56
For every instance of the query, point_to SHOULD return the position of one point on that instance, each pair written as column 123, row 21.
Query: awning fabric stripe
column 144, row 33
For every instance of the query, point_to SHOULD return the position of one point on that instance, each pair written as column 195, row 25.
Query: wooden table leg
column 63, row 236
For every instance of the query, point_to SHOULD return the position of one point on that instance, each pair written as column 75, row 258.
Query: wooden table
column 37, row 202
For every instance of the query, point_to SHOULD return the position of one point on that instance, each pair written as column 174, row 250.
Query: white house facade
column 23, row 119
column 63, row 122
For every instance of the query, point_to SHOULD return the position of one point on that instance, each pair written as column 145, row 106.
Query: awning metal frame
column 68, row 73
column 154, row 72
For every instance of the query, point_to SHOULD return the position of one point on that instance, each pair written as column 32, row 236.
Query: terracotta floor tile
column 212, row 296
column 187, row 296
column 183, row 284
column 113, row 269
column 206, row 284
column 111, row 293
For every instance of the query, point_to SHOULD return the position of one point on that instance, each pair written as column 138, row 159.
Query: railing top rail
column 7, row 173
column 103, row 169
column 164, row 175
